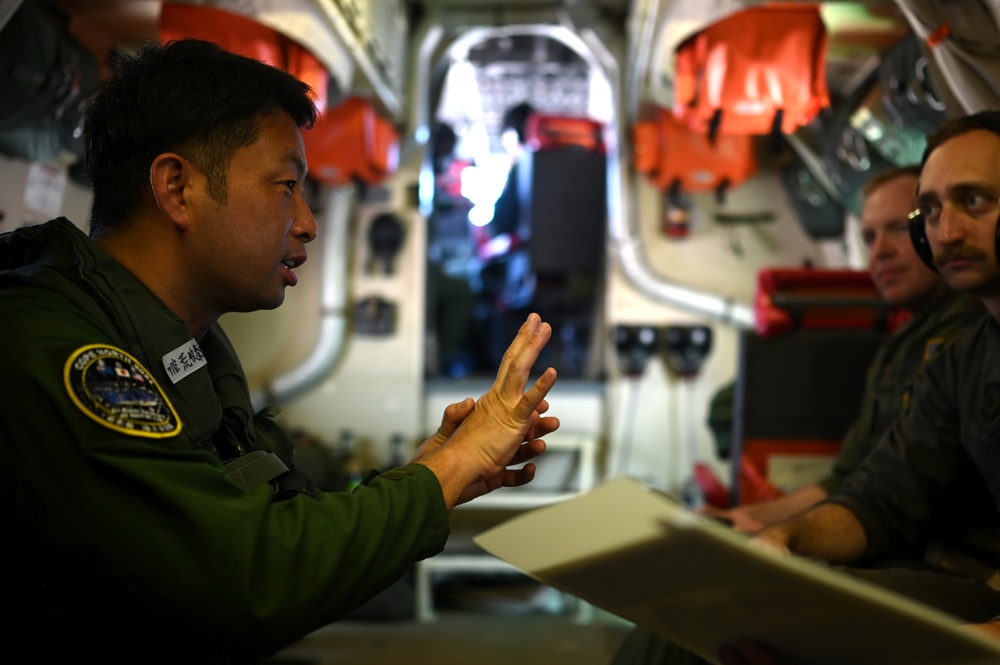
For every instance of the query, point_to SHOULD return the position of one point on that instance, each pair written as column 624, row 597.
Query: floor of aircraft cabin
column 498, row 622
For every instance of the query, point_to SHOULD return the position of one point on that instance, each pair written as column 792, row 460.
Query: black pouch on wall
column 819, row 214
column 909, row 93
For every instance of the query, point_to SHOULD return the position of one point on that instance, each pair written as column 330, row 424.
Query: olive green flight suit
column 948, row 437
column 891, row 373
column 125, row 542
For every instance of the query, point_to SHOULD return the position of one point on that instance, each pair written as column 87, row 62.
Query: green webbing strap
column 254, row 469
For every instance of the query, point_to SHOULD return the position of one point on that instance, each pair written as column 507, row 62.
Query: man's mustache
column 958, row 254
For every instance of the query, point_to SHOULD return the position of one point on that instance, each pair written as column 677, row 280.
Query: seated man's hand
column 990, row 629
column 773, row 539
column 752, row 517
column 740, row 519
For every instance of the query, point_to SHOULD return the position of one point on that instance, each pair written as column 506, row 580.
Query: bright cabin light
column 498, row 245
column 481, row 215
column 483, row 185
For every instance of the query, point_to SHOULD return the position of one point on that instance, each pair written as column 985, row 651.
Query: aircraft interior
column 700, row 261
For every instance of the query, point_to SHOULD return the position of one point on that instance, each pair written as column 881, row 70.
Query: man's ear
column 170, row 180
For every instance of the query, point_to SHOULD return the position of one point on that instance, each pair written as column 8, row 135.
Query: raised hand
column 502, row 429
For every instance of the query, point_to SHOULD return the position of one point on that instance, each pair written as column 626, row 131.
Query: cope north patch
column 114, row 389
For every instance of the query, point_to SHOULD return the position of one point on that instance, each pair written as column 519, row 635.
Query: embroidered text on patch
column 183, row 360
column 114, row 389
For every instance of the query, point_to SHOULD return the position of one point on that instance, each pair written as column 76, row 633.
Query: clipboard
column 635, row 552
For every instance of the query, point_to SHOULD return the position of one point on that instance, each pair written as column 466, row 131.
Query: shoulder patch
column 114, row 389
column 932, row 347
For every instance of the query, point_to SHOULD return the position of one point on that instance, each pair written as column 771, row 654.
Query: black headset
column 918, row 236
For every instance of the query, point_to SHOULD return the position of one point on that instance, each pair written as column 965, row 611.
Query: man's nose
column 305, row 227
column 951, row 226
column 880, row 245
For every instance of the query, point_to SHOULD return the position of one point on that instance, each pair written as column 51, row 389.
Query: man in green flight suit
column 152, row 516
column 948, row 435
column 937, row 315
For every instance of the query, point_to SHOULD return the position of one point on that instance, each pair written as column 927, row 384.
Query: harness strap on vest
column 254, row 469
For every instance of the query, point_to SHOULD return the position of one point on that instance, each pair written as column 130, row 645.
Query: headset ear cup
column 918, row 236
column 997, row 248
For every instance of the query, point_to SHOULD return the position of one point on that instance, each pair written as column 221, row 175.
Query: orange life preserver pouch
column 758, row 71
column 244, row 36
column 672, row 155
column 351, row 141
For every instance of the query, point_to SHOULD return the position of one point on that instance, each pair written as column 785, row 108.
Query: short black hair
column 186, row 96
column 949, row 129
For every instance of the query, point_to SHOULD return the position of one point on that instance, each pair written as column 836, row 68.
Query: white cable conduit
column 638, row 67
column 633, row 264
column 332, row 332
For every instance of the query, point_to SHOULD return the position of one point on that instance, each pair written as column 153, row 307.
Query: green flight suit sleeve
column 892, row 373
column 161, row 525
column 894, row 492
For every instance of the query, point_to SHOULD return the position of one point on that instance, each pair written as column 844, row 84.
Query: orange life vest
column 757, row 71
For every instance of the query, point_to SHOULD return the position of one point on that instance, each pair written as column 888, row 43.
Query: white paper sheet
column 633, row 551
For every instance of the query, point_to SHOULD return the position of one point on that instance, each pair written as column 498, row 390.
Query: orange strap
column 941, row 33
